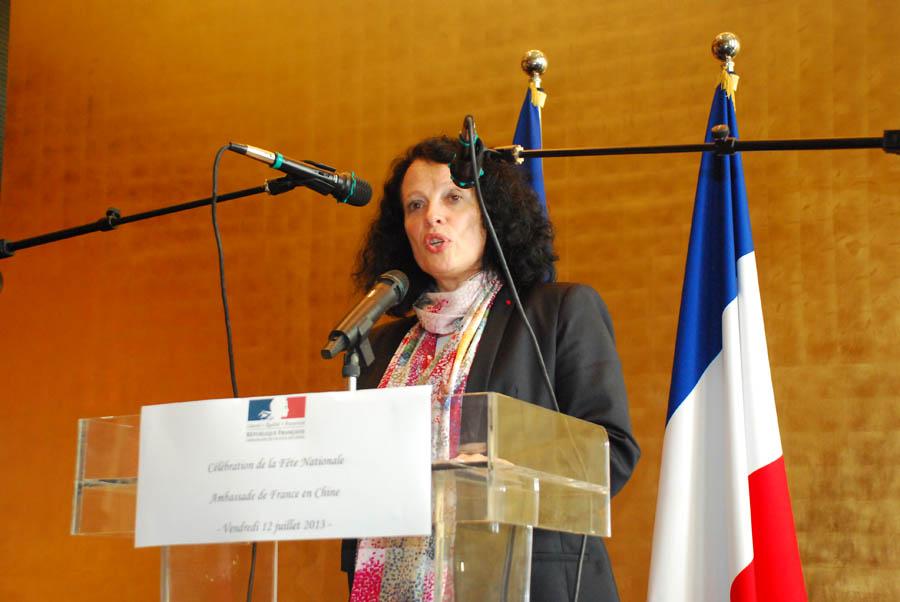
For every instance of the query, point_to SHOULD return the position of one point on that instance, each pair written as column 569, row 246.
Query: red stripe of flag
column 775, row 575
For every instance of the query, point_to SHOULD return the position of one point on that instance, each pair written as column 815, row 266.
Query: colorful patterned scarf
column 402, row 568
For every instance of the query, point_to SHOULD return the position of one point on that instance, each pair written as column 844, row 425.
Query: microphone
column 461, row 170
column 389, row 290
column 345, row 187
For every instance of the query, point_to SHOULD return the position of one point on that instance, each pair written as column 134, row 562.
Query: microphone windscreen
column 362, row 194
column 398, row 281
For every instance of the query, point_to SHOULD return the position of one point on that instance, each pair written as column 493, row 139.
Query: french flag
column 724, row 529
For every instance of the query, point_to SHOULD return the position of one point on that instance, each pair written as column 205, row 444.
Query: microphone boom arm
column 115, row 218
column 889, row 143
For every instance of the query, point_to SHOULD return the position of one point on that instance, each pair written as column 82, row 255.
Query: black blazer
column 575, row 334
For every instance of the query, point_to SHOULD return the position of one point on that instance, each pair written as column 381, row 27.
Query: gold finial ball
column 726, row 46
column 534, row 63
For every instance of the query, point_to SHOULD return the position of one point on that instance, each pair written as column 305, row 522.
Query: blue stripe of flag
column 720, row 234
column 528, row 136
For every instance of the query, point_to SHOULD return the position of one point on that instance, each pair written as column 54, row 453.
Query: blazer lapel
column 483, row 364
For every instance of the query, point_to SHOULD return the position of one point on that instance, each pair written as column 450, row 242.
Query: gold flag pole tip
column 725, row 47
column 534, row 64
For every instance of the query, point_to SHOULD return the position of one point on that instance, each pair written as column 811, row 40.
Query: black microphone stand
column 350, row 369
column 115, row 218
column 724, row 144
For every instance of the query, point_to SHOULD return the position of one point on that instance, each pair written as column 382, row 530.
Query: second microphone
column 345, row 187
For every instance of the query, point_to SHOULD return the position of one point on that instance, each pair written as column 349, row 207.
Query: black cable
column 252, row 571
column 234, row 389
column 476, row 169
column 580, row 566
column 215, row 222
column 470, row 125
column 507, row 564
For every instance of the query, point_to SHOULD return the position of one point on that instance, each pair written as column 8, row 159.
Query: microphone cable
column 476, row 169
column 215, row 224
column 234, row 389
column 469, row 124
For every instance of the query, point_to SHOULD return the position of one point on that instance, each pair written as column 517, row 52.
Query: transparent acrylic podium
column 514, row 467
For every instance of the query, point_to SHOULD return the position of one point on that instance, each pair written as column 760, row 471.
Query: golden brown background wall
column 126, row 103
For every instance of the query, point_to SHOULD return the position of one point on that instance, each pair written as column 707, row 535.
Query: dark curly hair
column 525, row 234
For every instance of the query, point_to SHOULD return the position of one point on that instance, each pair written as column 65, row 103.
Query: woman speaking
column 465, row 335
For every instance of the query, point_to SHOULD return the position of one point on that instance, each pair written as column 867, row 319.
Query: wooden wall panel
column 125, row 104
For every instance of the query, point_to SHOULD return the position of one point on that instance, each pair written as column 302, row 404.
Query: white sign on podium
column 307, row 466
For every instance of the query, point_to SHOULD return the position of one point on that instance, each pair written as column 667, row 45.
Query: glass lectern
column 515, row 466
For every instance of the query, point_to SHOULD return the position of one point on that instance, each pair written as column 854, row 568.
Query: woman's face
column 443, row 224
